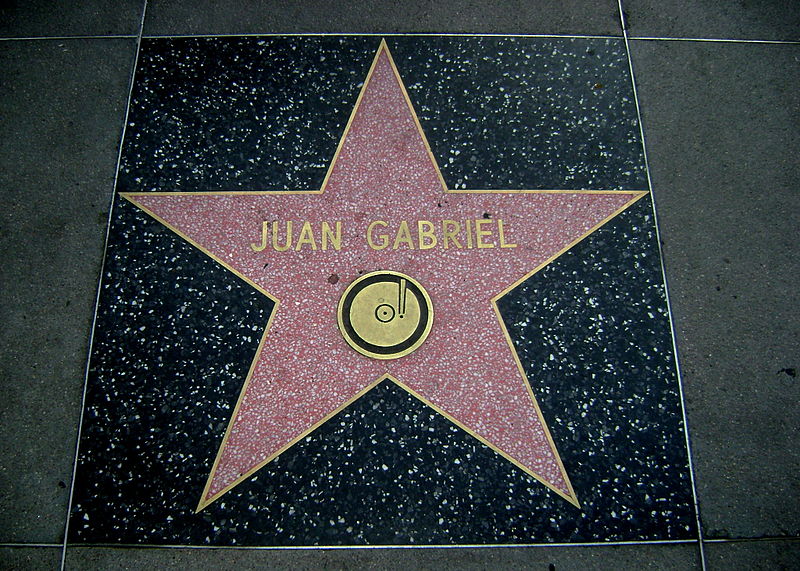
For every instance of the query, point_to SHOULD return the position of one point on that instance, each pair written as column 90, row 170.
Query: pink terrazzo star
column 304, row 372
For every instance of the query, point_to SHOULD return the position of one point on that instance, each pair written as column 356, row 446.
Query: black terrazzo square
column 176, row 332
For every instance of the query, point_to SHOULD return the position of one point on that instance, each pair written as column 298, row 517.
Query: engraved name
column 294, row 235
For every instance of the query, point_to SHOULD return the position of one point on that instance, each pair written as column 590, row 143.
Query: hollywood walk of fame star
column 384, row 207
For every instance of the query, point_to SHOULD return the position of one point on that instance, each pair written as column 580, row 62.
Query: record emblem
column 385, row 315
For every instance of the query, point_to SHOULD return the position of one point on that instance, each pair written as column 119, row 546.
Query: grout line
column 792, row 538
column 50, row 38
column 382, row 35
column 420, row 34
column 720, row 40
column 689, row 458
column 32, row 545
column 478, row 35
column 390, row 546
column 100, row 286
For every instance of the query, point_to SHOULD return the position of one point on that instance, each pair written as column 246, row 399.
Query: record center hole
column 384, row 313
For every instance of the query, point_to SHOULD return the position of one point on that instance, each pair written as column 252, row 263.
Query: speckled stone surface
column 177, row 332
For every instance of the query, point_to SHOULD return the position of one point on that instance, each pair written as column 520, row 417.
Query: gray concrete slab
column 23, row 558
column 753, row 555
column 374, row 16
column 37, row 18
column 722, row 132
column 63, row 104
column 669, row 556
column 722, row 124
column 764, row 20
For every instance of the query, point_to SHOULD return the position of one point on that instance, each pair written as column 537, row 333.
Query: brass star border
column 134, row 196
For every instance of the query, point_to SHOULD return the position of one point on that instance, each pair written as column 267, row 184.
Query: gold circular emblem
column 385, row 315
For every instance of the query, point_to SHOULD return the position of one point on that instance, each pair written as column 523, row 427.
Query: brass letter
column 451, row 234
column 403, row 235
column 479, row 234
column 384, row 238
column 306, row 236
column 288, row 237
column 426, row 234
column 262, row 247
column 327, row 234
column 503, row 236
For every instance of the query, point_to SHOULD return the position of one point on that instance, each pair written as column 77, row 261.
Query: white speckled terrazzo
column 176, row 338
